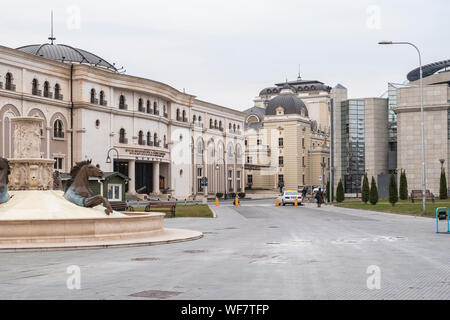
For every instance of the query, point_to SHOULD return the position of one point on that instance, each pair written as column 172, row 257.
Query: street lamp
column 424, row 178
column 108, row 158
column 323, row 165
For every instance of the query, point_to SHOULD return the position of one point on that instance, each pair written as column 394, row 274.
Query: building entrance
column 144, row 177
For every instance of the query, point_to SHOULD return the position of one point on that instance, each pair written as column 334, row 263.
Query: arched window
column 215, row 124
column 9, row 82
column 165, row 110
column 122, row 134
column 199, row 147
column 141, row 138
column 210, row 123
column 229, row 126
column 58, row 94
column 239, row 127
column 93, row 94
column 35, row 87
column 155, row 108
column 220, row 125
column 122, row 104
column 149, row 138
column 149, row 107
column 165, row 142
column 141, row 105
column 194, row 118
column 58, row 129
column 46, row 89
column 184, row 116
column 155, row 139
column 178, row 115
column 234, row 127
column 102, row 98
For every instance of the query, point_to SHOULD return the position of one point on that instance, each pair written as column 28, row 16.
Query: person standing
column 281, row 185
column 319, row 197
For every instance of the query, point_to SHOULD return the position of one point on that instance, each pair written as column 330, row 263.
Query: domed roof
column 62, row 52
column 289, row 102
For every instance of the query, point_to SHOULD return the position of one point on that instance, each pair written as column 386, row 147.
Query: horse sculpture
column 4, row 172
column 77, row 190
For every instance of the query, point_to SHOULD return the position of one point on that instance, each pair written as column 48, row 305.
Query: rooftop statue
column 4, row 172
column 77, row 190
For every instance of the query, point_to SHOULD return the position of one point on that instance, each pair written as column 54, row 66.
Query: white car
column 289, row 196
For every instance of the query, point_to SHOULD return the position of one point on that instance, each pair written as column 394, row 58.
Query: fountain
column 37, row 217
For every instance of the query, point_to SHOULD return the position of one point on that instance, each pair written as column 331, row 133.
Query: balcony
column 94, row 100
column 10, row 86
column 58, row 96
column 123, row 140
column 36, row 92
column 103, row 103
column 141, row 142
column 58, row 134
column 48, row 94
column 123, row 106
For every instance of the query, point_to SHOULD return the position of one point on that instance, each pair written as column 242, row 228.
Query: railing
column 150, row 143
column 141, row 142
column 58, row 134
column 48, row 94
column 123, row 140
column 94, row 100
column 58, row 96
column 10, row 86
column 36, row 92
column 123, row 106
column 103, row 103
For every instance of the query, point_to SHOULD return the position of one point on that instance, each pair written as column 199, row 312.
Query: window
column 58, row 95
column 280, row 161
column 9, row 82
column 258, row 141
column 215, row 124
column 194, row 118
column 155, row 108
column 184, row 116
column 58, row 163
column 178, row 115
column 102, row 98
column 249, row 159
column 149, row 107
column 199, row 179
column 141, row 138
column 238, row 181
column 210, row 123
column 303, row 162
column 141, row 105
column 114, row 192
column 165, row 142
column 58, row 130
column 35, row 87
column 229, row 126
column 303, row 179
column 93, row 99
column 220, row 125
column 122, row 138
column 280, row 142
column 234, row 127
column 122, row 104
column 303, row 143
column 280, row 178
column 249, row 178
column 149, row 139
column 155, row 139
column 47, row 90
column 199, row 148
column 97, row 123
column 245, row 142
column 230, row 180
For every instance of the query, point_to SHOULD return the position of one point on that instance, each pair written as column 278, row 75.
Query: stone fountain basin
column 45, row 220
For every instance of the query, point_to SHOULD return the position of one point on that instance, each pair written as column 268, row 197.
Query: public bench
column 121, row 206
column 417, row 195
column 162, row 204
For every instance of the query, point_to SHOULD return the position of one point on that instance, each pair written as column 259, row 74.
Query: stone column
column 132, row 176
column 156, row 177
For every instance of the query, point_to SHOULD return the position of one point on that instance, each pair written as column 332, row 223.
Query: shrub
column 219, row 195
column 403, row 186
column 241, row 194
column 393, row 193
column 443, row 186
column 340, row 192
column 365, row 189
column 232, row 195
column 373, row 195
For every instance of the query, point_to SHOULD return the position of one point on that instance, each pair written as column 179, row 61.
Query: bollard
column 217, row 201
column 277, row 202
column 236, row 201
column 296, row 202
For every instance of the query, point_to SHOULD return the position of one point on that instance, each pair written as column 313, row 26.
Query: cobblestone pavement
column 254, row 251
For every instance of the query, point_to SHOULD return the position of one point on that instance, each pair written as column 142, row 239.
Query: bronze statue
column 5, row 170
column 77, row 190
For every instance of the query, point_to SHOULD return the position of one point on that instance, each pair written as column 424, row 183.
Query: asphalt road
column 254, row 251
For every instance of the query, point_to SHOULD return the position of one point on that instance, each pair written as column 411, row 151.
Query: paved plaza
column 254, row 251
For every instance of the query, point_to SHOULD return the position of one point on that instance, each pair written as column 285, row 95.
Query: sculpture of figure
column 77, row 190
column 4, row 172
column 57, row 184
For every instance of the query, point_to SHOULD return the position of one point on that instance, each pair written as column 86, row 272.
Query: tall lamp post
column 108, row 158
column 424, row 178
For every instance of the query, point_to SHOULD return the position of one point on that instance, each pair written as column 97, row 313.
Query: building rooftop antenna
column 299, row 76
column 52, row 37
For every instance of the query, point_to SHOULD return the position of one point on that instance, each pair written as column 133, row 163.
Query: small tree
column 443, row 186
column 373, row 196
column 365, row 189
column 403, row 186
column 340, row 192
column 393, row 192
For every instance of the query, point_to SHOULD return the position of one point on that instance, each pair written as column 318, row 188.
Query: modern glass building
column 353, row 144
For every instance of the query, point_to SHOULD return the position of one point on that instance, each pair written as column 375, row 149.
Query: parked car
column 289, row 196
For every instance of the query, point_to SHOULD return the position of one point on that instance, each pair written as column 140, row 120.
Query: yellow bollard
column 236, row 201
column 277, row 202
column 217, row 202
column 296, row 202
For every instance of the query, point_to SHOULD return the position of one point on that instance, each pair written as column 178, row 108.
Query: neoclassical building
column 287, row 136
column 166, row 140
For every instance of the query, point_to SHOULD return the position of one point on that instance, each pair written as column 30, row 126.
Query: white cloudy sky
column 226, row 51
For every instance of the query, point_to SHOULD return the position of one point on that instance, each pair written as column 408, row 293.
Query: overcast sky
column 226, row 51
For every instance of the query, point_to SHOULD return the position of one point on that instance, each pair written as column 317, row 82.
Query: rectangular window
column 238, row 181
column 280, row 142
column 230, row 180
column 303, row 162
column 303, row 179
column 258, row 142
column 280, row 161
column 280, row 178
column 250, row 178
column 199, row 179
column 249, row 159
column 114, row 192
column 58, row 163
column 303, row 143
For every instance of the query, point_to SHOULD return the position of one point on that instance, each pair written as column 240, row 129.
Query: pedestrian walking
column 319, row 197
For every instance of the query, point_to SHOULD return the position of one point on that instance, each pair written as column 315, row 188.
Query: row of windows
column 47, row 93
column 152, row 140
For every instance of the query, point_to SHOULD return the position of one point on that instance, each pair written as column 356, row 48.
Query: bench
column 121, row 206
column 417, row 194
column 162, row 204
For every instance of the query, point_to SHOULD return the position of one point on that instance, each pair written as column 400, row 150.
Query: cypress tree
column 340, row 192
column 393, row 192
column 373, row 196
column 365, row 189
column 403, row 186
column 443, row 186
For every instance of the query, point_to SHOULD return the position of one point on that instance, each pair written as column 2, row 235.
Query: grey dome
column 62, row 52
column 289, row 102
